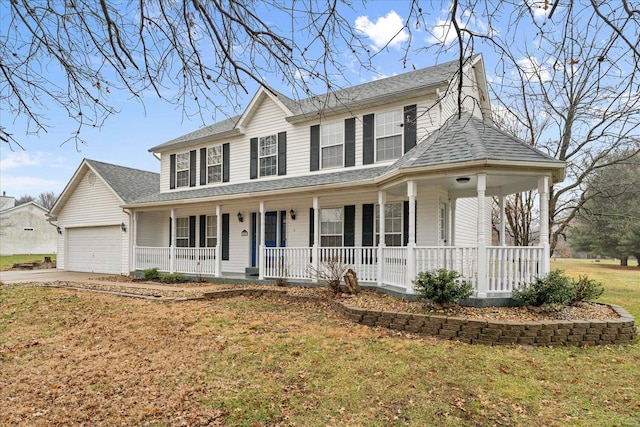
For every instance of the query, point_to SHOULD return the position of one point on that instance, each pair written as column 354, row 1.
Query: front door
column 274, row 232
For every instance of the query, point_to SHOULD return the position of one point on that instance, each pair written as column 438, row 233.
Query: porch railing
column 186, row 260
column 287, row 263
column 509, row 267
column 462, row 259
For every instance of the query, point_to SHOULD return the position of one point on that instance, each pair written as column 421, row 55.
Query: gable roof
column 468, row 139
column 22, row 206
column 126, row 183
column 359, row 96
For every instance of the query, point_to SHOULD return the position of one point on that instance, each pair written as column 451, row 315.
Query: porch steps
column 251, row 272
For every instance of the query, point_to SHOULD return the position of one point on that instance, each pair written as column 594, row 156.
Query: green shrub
column 586, row 289
column 151, row 273
column 171, row 278
column 554, row 288
column 441, row 286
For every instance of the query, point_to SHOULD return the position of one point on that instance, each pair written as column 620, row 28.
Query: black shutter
column 192, row 168
column 311, row 227
column 225, row 237
column 405, row 226
column 282, row 153
column 349, row 225
column 315, row 148
column 225, row 162
column 368, row 142
column 410, row 113
column 203, row 231
column 203, row 166
column 253, row 174
column 368, row 225
column 170, row 235
column 172, row 171
column 192, row 231
column 350, row 142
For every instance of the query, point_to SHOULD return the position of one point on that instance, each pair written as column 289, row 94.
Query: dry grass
column 72, row 358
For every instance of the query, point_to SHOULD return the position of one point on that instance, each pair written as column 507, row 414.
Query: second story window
column 182, row 170
column 332, row 145
column 268, row 155
column 388, row 135
column 214, row 164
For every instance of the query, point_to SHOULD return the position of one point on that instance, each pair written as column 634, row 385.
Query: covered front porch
column 494, row 270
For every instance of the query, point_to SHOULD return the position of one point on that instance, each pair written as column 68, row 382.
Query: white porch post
column 172, row 249
column 219, row 241
column 382, row 201
column 543, row 191
column 134, row 237
column 315, row 251
column 411, row 244
column 503, row 220
column 452, row 208
column 261, row 258
column 481, row 238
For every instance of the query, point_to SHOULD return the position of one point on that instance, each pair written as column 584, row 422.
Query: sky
column 47, row 164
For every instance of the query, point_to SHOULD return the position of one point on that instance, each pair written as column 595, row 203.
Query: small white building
column 24, row 229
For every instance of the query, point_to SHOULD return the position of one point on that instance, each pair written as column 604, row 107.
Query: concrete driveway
column 48, row 276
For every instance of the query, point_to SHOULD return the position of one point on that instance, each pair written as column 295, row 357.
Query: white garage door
column 94, row 249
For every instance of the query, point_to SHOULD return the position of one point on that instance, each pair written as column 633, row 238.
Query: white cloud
column 18, row 185
column 533, row 70
column 387, row 30
column 539, row 8
column 443, row 32
column 21, row 159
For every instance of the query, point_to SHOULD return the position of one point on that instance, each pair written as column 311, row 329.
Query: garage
column 94, row 249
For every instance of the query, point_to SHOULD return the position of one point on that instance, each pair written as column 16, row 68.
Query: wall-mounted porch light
column 292, row 214
column 123, row 227
column 463, row 179
column 59, row 230
column 240, row 217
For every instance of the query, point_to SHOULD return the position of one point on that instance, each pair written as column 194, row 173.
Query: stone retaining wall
column 552, row 332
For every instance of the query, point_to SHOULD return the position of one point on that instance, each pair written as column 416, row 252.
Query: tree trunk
column 624, row 261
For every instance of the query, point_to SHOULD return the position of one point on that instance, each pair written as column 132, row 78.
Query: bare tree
column 25, row 198
column 189, row 53
column 47, row 199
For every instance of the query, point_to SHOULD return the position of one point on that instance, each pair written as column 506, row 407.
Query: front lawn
column 83, row 358
column 7, row 261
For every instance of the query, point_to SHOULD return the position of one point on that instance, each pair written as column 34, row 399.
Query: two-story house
column 385, row 176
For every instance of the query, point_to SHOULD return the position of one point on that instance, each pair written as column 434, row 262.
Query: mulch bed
column 367, row 299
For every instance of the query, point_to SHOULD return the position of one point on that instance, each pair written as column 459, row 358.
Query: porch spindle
column 482, row 244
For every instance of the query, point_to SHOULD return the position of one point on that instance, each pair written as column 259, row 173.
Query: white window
column 182, row 169
column 212, row 231
column 392, row 224
column 331, row 227
column 268, row 155
column 182, row 232
column 388, row 135
column 214, row 164
column 332, row 144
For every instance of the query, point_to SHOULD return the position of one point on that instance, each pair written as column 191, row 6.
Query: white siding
column 91, row 205
column 153, row 229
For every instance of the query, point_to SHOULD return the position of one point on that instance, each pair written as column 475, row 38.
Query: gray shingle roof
column 349, row 97
column 260, row 185
column 130, row 184
column 467, row 139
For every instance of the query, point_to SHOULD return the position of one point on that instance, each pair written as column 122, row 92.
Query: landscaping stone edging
column 553, row 332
